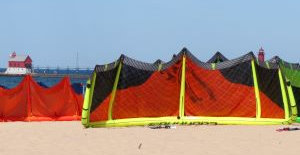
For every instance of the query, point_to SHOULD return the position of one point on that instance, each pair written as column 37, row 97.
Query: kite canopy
column 217, row 58
column 291, row 72
column 31, row 102
column 185, row 91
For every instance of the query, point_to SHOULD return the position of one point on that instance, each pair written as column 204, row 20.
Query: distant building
column 261, row 55
column 19, row 64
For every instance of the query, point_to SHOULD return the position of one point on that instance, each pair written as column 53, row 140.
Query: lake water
column 11, row 82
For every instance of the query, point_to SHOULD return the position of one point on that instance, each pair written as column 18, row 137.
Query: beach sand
column 71, row 138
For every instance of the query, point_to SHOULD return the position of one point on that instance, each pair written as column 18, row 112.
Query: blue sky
column 53, row 31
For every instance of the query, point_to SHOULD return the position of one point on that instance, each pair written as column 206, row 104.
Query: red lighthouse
column 19, row 64
column 261, row 55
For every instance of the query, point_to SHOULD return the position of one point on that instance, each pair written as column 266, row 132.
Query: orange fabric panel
column 157, row 97
column 30, row 102
column 101, row 113
column 208, row 93
column 269, row 109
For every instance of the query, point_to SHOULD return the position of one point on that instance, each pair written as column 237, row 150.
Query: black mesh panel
column 240, row 73
column 103, row 86
column 131, row 76
column 269, row 84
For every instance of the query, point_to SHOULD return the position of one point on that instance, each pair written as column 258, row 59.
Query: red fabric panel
column 269, row 109
column 13, row 102
column 101, row 113
column 157, row 97
column 208, row 93
column 30, row 102
column 58, row 101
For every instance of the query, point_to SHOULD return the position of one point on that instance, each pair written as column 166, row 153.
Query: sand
column 71, row 138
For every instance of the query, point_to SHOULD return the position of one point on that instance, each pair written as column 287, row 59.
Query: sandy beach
column 71, row 138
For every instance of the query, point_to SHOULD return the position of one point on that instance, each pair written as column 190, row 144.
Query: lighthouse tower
column 261, row 55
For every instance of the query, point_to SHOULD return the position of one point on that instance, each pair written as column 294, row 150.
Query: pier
column 54, row 72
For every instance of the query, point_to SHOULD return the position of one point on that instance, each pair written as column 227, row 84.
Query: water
column 63, row 71
column 60, row 71
column 13, row 81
